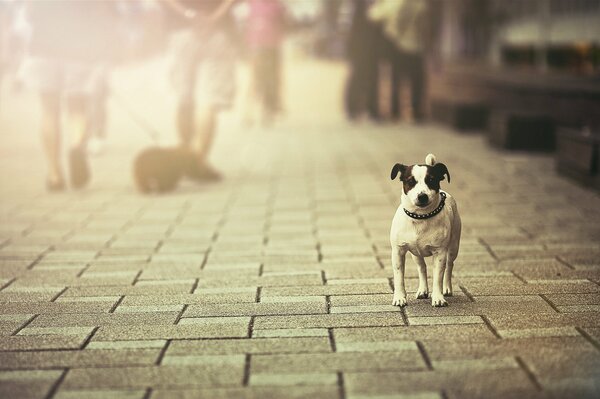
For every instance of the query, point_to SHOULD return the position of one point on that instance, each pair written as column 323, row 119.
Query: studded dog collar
column 430, row 214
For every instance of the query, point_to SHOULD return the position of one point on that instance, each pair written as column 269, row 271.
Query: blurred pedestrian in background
column 405, row 30
column 69, row 45
column 204, row 52
column 265, row 28
column 362, row 87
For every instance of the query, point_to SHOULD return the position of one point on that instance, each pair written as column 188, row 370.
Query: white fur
column 438, row 236
column 430, row 160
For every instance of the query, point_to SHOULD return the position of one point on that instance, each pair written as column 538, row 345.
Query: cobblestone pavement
column 275, row 282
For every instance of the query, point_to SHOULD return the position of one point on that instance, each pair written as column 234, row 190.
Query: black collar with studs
column 431, row 214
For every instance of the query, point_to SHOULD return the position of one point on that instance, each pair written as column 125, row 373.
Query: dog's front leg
column 439, row 262
column 423, row 290
column 398, row 261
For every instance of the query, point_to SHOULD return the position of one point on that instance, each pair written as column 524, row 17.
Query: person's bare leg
column 185, row 124
column 51, row 138
column 206, row 126
column 78, row 128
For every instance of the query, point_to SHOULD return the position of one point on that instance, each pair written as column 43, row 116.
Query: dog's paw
column 447, row 291
column 399, row 301
column 438, row 301
column 422, row 294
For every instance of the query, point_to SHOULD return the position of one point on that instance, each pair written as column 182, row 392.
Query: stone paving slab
column 276, row 281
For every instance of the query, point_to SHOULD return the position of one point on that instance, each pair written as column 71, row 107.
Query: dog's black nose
column 423, row 199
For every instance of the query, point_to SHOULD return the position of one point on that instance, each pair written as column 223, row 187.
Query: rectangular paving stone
column 191, row 360
column 77, row 358
column 291, row 299
column 443, row 320
column 148, row 309
column 542, row 320
column 476, row 364
column 30, row 375
column 213, row 320
column 256, row 309
column 269, row 379
column 578, row 308
column 253, row 392
column 155, row 376
column 139, row 344
column 55, row 307
column 345, row 289
column 333, row 362
column 252, row 346
column 574, row 299
column 140, row 332
column 364, row 309
column 329, row 320
column 188, row 299
column 291, row 332
column 101, row 394
column 36, row 342
column 375, row 346
column 539, row 332
column 456, row 384
column 81, row 331
column 470, row 332
column 103, row 319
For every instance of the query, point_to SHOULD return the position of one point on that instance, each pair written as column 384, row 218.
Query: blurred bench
column 515, row 129
column 578, row 155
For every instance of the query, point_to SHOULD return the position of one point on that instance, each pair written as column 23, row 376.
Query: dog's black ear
column 397, row 168
column 439, row 169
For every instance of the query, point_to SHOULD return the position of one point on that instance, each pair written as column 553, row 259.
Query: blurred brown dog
column 158, row 170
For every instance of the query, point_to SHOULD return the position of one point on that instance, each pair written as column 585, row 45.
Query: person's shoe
column 203, row 172
column 54, row 186
column 79, row 168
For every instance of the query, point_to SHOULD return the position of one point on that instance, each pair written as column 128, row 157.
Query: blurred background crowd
column 526, row 71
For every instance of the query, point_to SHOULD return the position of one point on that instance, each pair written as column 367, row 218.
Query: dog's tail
column 430, row 160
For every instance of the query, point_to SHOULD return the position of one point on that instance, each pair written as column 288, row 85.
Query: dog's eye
column 411, row 181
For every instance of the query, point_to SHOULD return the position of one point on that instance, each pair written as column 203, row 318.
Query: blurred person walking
column 362, row 86
column 264, row 34
column 204, row 51
column 69, row 42
column 405, row 30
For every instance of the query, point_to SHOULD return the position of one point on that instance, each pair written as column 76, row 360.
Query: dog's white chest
column 420, row 237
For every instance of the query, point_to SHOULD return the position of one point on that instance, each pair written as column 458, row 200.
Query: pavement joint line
column 55, row 297
column 9, row 282
column 181, row 313
column 341, row 386
column 114, row 307
column 519, row 277
column 148, row 393
column 258, row 292
column 588, row 337
column 549, row 303
column 89, row 337
column 57, row 384
column 467, row 293
column 404, row 316
column 247, row 366
column 39, row 258
column 332, row 340
column 195, row 285
column 261, row 269
column 488, row 248
column 28, row 322
column 564, row 262
column 489, row 325
column 163, row 351
column 425, row 355
column 323, row 277
column 532, row 377
column 137, row 277
column 251, row 326
column 206, row 255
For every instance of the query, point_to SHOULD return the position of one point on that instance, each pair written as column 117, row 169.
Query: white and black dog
column 426, row 223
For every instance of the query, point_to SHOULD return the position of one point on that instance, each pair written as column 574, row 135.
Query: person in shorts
column 204, row 64
column 70, row 40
